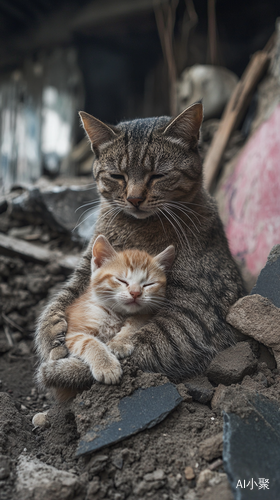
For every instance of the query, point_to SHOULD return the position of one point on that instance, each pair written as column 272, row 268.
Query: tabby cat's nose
column 135, row 293
column 135, row 201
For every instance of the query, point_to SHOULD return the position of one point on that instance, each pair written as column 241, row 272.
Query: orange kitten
column 126, row 289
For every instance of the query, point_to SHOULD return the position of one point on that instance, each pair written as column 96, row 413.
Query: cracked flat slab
column 252, row 450
column 144, row 409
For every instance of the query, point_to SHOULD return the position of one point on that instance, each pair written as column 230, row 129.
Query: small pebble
column 41, row 420
column 189, row 473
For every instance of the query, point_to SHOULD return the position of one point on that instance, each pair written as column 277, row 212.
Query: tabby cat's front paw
column 120, row 349
column 108, row 370
column 59, row 352
column 58, row 329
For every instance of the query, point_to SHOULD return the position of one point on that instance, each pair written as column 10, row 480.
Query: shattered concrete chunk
column 57, row 206
column 144, row 409
column 211, row 447
column 200, row 389
column 232, row 364
column 39, row 481
column 257, row 317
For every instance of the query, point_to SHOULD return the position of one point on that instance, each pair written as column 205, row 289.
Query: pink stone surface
column 253, row 197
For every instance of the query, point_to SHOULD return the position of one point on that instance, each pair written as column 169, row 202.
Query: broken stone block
column 200, row 389
column 39, row 481
column 217, row 400
column 58, row 206
column 268, row 282
column 218, row 489
column 252, row 449
column 232, row 364
column 211, row 447
column 142, row 410
column 257, row 317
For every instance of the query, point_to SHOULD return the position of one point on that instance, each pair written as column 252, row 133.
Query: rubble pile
column 113, row 441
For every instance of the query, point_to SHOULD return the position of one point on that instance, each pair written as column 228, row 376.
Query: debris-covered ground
column 178, row 458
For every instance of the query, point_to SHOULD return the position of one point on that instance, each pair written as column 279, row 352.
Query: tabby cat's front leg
column 103, row 364
column 122, row 344
column 50, row 334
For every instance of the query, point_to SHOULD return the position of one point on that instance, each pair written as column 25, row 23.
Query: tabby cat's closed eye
column 118, row 177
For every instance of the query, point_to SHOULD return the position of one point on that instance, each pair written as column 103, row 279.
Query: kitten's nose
column 135, row 293
column 135, row 201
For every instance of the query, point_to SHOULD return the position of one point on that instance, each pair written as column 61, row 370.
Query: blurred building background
column 115, row 59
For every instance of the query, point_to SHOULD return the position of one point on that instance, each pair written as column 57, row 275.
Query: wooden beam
column 14, row 247
column 233, row 114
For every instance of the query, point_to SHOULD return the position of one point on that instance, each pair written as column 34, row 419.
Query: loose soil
column 150, row 464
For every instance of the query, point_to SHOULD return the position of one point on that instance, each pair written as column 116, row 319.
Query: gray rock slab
column 232, row 364
column 251, row 451
column 144, row 409
column 268, row 282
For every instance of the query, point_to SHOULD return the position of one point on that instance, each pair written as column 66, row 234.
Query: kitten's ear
column 97, row 131
column 186, row 126
column 165, row 259
column 101, row 251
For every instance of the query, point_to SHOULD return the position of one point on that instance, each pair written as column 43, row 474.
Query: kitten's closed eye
column 148, row 284
column 122, row 281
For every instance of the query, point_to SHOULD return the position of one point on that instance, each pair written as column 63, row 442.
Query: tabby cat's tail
column 66, row 376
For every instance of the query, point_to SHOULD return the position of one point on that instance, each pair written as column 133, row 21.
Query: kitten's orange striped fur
column 125, row 290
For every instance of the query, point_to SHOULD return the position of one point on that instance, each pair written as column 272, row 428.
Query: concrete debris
column 257, row 317
column 13, row 247
column 232, row 364
column 57, row 206
column 211, row 447
column 39, row 481
column 200, row 389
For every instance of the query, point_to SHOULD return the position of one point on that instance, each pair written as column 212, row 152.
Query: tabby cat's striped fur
column 149, row 175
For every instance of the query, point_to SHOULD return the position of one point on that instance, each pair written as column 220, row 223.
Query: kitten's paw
column 120, row 349
column 109, row 370
column 59, row 352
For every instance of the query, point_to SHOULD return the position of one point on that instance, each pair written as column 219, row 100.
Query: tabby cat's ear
column 186, row 126
column 101, row 251
column 97, row 131
column 165, row 259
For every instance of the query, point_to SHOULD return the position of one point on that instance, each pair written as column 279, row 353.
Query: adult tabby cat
column 149, row 175
column 125, row 291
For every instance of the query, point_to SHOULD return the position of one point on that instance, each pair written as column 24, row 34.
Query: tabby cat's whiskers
column 87, row 204
column 177, row 218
